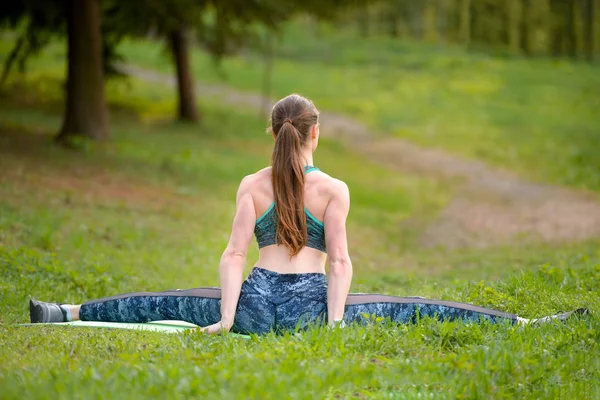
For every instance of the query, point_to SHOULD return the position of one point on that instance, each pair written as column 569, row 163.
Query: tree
column 220, row 27
column 86, row 113
column 571, row 32
column 85, row 107
column 465, row 21
column 430, row 21
column 94, row 29
column 589, row 39
column 520, row 29
column 169, row 20
column 596, row 26
column 179, row 44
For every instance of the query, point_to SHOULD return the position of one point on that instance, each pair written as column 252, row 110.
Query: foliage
column 37, row 23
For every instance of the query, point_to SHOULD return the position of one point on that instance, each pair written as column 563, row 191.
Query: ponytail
column 288, row 185
column 292, row 120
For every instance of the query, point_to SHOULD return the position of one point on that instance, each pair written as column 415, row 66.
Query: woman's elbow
column 340, row 265
column 232, row 256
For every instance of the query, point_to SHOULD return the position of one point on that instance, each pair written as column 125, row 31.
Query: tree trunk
column 525, row 22
column 589, row 29
column 390, row 18
column 185, row 81
column 546, row 27
column 403, row 16
column 465, row 21
column 495, row 24
column 86, row 114
column 430, row 21
column 363, row 21
column 596, row 27
column 579, row 26
column 557, row 27
column 572, row 30
column 267, row 76
column 478, row 22
column 515, row 13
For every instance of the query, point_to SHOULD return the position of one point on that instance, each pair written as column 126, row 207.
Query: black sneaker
column 40, row 312
column 561, row 316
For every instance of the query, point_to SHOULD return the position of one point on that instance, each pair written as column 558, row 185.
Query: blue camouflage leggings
column 270, row 301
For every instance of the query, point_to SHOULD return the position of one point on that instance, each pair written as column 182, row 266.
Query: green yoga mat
column 157, row 326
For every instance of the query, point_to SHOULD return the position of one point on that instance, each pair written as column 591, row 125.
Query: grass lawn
column 151, row 210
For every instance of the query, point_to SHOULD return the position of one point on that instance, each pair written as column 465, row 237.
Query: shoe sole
column 578, row 312
column 562, row 316
column 34, row 312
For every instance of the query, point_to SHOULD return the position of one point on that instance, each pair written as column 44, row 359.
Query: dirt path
column 492, row 207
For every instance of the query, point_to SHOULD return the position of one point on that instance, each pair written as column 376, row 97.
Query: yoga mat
column 157, row 326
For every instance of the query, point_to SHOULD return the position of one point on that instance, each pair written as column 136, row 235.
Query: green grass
column 151, row 210
column 147, row 226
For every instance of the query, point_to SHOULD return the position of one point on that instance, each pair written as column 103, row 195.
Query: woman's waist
column 277, row 259
column 291, row 270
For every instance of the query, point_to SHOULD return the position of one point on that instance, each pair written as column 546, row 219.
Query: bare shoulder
column 257, row 177
column 338, row 205
column 333, row 186
column 340, row 187
column 257, row 182
column 340, row 193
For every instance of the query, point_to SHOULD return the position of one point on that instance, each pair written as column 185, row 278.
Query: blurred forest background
column 468, row 132
column 94, row 30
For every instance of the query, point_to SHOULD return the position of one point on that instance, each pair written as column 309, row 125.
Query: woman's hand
column 220, row 327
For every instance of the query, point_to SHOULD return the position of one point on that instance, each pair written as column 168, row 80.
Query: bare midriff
column 277, row 259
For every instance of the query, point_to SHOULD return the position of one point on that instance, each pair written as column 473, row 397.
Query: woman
column 298, row 215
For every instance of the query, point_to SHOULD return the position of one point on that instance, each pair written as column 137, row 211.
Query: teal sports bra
column 266, row 226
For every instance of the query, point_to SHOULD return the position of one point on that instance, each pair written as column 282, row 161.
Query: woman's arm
column 340, row 266
column 234, row 257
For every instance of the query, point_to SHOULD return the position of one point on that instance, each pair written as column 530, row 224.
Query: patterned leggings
column 278, row 302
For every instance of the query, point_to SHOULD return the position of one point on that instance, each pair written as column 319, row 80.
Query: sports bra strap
column 310, row 168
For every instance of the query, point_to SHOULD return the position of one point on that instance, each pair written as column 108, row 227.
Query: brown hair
column 291, row 121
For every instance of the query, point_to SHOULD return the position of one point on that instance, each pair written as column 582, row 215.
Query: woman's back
column 318, row 189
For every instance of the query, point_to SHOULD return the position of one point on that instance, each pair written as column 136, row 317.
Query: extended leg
column 198, row 306
column 359, row 307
